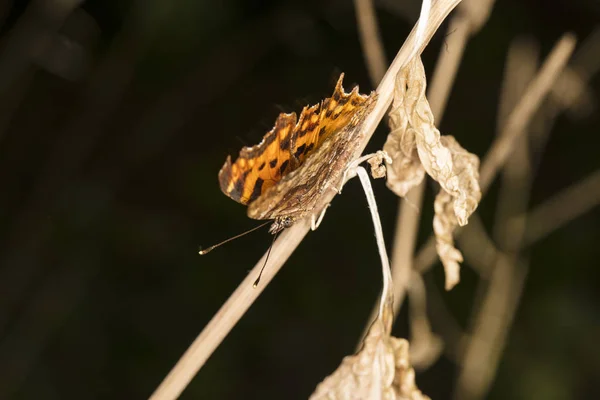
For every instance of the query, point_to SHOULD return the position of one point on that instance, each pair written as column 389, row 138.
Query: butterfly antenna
column 266, row 259
column 203, row 252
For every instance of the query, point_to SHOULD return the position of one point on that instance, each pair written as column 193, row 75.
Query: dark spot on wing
column 238, row 188
column 300, row 150
column 273, row 163
column 257, row 189
column 303, row 133
column 309, row 148
column 283, row 166
column 285, row 143
column 262, row 166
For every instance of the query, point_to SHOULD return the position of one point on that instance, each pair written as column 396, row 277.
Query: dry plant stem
column 421, row 25
column 521, row 66
column 405, row 237
column 446, row 325
column 212, row 335
column 524, row 110
column 490, row 331
column 560, row 209
column 514, row 237
column 553, row 213
column 586, row 62
column 493, row 319
column 426, row 347
column 478, row 248
column 229, row 314
column 450, row 57
column 498, row 154
column 509, row 273
column 370, row 39
column 385, row 263
column 582, row 196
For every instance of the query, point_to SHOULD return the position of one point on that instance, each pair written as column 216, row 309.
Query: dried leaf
column 378, row 169
column 380, row 370
column 447, row 218
column 444, row 223
column 406, row 171
column 416, row 146
column 466, row 170
column 404, row 380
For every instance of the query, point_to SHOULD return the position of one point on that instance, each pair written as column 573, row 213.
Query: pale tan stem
column 519, row 230
column 425, row 346
column 520, row 69
column 587, row 60
column 370, row 39
column 407, row 224
column 491, row 327
column 450, row 57
column 502, row 147
column 230, row 313
column 499, row 301
column 524, row 110
column 560, row 209
column 477, row 247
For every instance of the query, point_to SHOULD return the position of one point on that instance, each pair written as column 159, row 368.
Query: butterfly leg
column 376, row 171
column 315, row 222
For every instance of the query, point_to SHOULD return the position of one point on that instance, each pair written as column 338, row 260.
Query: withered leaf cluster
column 417, row 147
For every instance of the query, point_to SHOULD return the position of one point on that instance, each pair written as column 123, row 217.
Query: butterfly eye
column 287, row 222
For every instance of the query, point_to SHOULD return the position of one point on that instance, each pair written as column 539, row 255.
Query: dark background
column 115, row 119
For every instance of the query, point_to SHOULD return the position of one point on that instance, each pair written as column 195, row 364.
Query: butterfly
column 283, row 177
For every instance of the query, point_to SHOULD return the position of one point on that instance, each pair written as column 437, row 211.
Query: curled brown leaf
column 380, row 370
column 406, row 170
column 416, row 146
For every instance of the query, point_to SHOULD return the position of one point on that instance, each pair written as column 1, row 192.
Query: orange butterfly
column 283, row 176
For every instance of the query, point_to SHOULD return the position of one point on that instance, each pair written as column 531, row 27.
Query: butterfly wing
column 259, row 167
column 319, row 122
column 262, row 176
column 298, row 192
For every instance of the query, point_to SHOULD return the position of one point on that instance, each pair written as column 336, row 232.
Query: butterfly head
column 281, row 223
